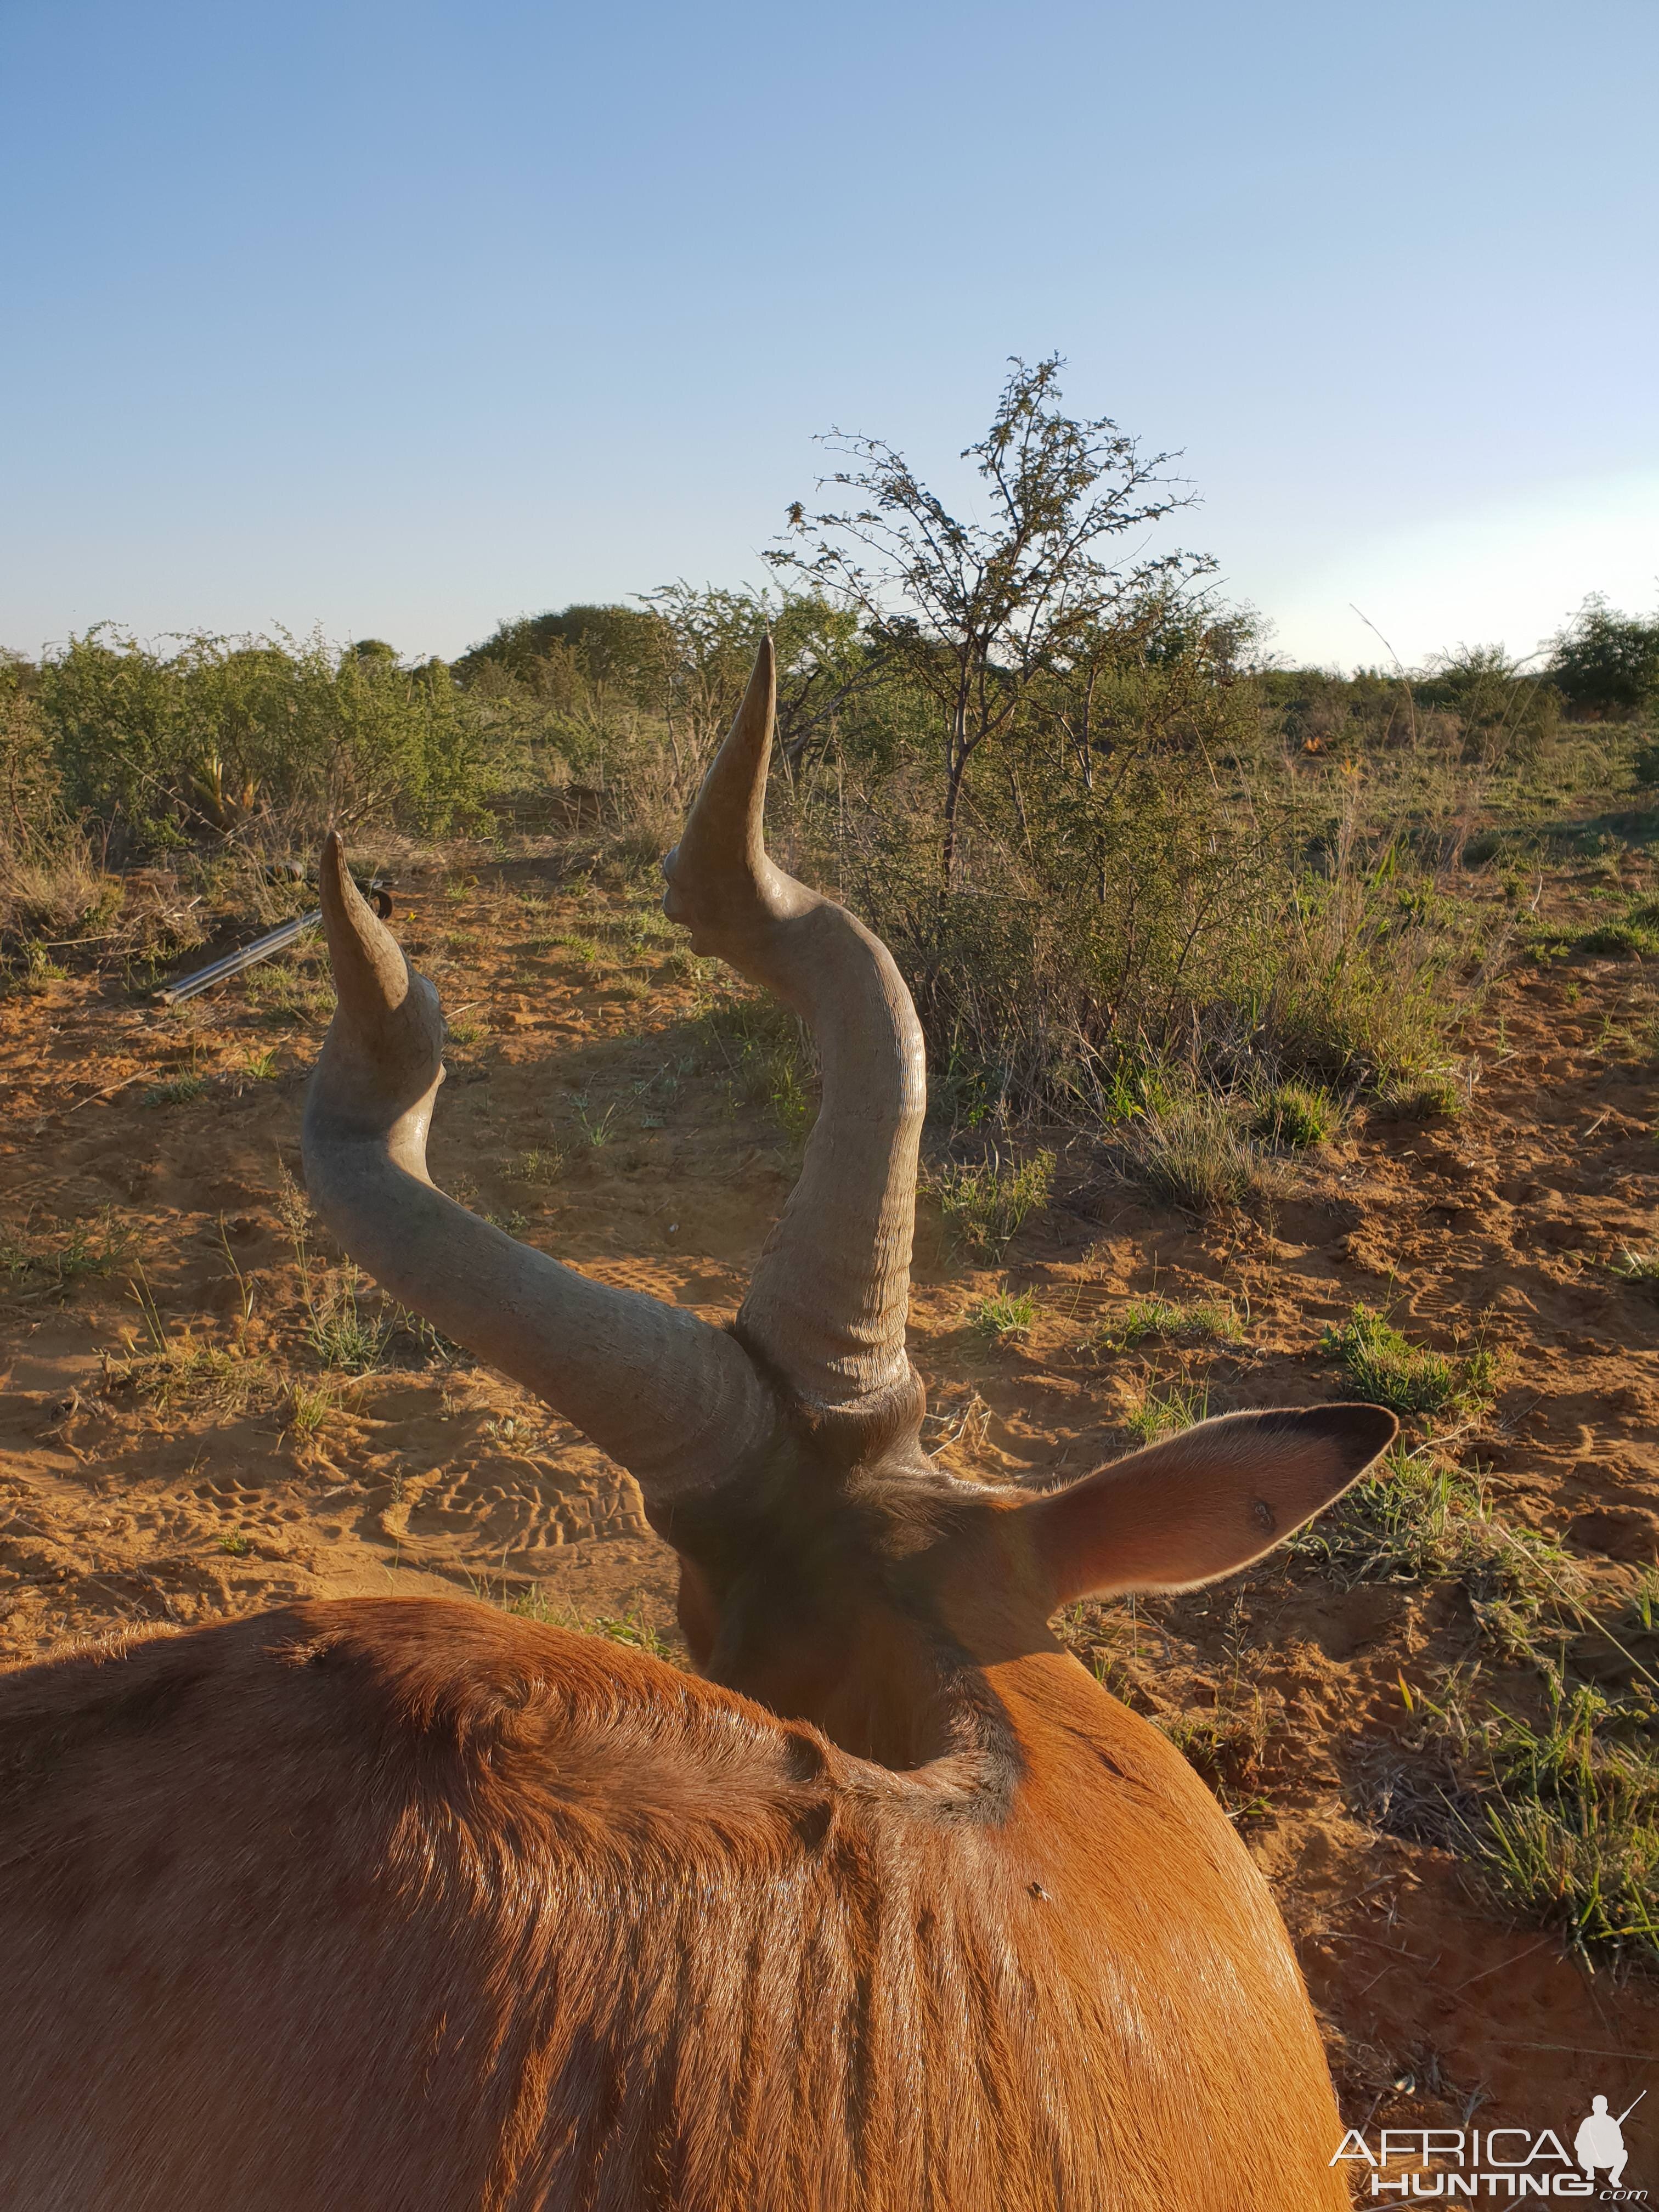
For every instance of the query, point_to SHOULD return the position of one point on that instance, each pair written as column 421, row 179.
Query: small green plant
column 1006, row 1314
column 261, row 1066
column 1388, row 1370
column 1639, row 1269
column 596, row 1128
column 763, row 1050
column 466, row 1033
column 291, row 994
column 176, row 1090
column 38, row 968
column 1226, row 1743
column 541, row 1163
column 1643, row 1610
column 1165, row 1413
column 988, row 1203
column 311, row 1409
column 340, row 1331
column 238, row 1546
column 1296, row 1117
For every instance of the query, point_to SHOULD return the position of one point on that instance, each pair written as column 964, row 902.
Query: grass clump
column 1226, row 1743
column 1563, row 1821
column 343, row 1334
column 587, row 950
column 291, row 994
column 1432, row 1095
column 1621, row 940
column 1296, row 1117
column 1640, row 1270
column 1167, row 1321
column 1194, row 1154
column 1166, row 1411
column 176, row 1091
column 310, row 1410
column 987, row 1204
column 185, row 1371
column 54, row 892
column 1388, row 1370
column 50, row 1264
column 541, row 1163
column 630, row 1629
column 763, row 1051
column 1416, row 1518
column 1007, row 1314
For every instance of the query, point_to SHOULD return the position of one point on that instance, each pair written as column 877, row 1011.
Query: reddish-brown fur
column 398, row 1904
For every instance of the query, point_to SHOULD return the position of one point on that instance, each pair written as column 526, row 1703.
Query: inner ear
column 1205, row 1503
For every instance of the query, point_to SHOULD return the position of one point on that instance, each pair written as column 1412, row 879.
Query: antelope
column 402, row 1904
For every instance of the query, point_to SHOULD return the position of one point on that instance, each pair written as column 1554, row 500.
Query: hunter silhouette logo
column 1506, row 2163
column 1599, row 2142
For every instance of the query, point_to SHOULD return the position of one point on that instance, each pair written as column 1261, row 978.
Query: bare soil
column 175, row 1446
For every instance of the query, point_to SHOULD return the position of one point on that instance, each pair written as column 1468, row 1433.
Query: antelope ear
column 1206, row 1503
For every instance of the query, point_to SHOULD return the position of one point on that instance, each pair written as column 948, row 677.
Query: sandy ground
column 172, row 1447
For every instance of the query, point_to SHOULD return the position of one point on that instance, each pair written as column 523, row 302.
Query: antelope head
column 827, row 1565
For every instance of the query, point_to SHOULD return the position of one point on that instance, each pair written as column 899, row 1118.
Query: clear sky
column 399, row 318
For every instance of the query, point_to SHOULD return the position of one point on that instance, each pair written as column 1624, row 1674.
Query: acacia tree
column 979, row 612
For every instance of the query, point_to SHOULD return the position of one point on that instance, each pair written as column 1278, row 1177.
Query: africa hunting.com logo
column 1456, row 2163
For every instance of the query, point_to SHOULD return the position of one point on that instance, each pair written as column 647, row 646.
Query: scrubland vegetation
column 1176, row 917
column 1141, row 879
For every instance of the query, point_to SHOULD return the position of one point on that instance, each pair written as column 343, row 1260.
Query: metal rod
column 374, row 890
column 233, row 963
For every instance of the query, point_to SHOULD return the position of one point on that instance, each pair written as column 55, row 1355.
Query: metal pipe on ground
column 249, row 956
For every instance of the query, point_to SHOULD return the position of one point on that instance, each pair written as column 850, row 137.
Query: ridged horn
column 828, row 1304
column 677, row 1403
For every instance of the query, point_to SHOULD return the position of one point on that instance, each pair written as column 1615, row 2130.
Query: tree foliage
column 980, row 614
column 160, row 746
column 1605, row 662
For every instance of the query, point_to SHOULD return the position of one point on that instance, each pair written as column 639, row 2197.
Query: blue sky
column 398, row 320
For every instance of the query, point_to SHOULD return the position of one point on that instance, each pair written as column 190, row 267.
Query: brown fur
column 401, row 1906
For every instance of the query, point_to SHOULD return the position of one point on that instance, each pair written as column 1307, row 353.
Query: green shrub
column 175, row 1091
column 55, row 1262
column 765, row 1053
column 340, row 1331
column 225, row 729
column 53, row 889
column 1296, row 1116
